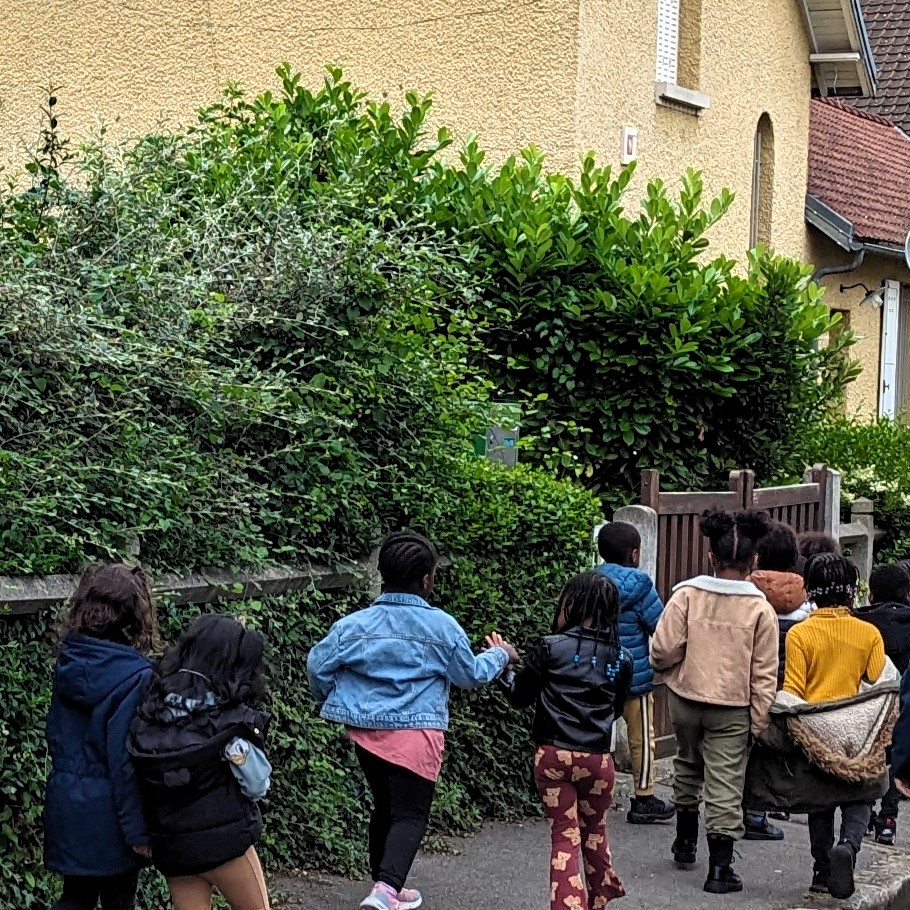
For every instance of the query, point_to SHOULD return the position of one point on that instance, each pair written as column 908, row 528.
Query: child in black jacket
column 889, row 612
column 578, row 678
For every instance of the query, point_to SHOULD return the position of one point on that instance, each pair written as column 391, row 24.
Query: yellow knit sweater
column 830, row 653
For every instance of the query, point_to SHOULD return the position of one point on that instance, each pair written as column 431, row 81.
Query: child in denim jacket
column 385, row 673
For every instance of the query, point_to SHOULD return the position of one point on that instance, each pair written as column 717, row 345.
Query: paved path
column 505, row 868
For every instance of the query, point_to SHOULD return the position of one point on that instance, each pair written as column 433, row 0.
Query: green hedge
column 874, row 460
column 513, row 537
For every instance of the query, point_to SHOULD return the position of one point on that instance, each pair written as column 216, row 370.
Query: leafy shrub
column 633, row 347
column 513, row 538
column 874, row 460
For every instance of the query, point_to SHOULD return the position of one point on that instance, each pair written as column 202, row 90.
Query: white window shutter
column 887, row 401
column 667, row 40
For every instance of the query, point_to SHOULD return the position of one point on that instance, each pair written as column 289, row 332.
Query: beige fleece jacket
column 717, row 643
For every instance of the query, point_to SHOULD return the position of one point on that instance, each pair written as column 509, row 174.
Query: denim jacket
column 390, row 666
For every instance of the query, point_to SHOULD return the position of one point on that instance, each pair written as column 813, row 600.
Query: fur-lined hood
column 846, row 738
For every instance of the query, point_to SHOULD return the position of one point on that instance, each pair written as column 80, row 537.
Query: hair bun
column 716, row 522
column 753, row 523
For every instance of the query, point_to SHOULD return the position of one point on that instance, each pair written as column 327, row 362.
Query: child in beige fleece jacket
column 716, row 650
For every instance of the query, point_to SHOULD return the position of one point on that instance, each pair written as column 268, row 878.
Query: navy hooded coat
column 93, row 811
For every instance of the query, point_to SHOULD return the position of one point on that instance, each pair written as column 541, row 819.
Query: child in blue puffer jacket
column 640, row 608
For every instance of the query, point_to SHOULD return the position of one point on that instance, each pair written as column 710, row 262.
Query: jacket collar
column 401, row 600
column 721, row 586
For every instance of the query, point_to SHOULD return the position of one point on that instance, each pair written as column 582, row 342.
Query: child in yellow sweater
column 827, row 658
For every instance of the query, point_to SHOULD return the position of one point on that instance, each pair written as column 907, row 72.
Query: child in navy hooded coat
column 640, row 608
column 95, row 835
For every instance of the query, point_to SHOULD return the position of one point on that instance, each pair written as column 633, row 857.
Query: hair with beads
column 589, row 600
column 831, row 580
column 114, row 602
column 734, row 536
column 405, row 560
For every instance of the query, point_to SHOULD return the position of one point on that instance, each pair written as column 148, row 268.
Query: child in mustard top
column 828, row 657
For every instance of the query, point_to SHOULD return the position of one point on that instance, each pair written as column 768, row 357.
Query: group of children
column 165, row 762
column 154, row 763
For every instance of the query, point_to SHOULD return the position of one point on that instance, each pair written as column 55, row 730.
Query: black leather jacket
column 579, row 683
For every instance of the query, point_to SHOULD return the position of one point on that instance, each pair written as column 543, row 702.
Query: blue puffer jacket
column 640, row 608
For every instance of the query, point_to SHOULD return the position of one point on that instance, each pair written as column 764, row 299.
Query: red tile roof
column 888, row 24
column 859, row 166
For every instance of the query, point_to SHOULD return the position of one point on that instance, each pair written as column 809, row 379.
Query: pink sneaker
column 382, row 897
column 409, row 899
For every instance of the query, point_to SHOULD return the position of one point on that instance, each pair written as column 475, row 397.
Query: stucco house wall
column 566, row 75
column 865, row 320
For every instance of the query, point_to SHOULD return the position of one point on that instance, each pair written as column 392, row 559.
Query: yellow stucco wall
column 863, row 395
column 504, row 71
column 563, row 74
column 753, row 59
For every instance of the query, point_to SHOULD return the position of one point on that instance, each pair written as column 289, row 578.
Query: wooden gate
column 682, row 552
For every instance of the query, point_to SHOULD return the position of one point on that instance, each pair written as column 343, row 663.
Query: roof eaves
column 834, row 226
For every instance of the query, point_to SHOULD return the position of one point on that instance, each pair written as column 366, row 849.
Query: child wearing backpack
column 578, row 678
column 197, row 746
column 385, row 673
column 889, row 612
column 95, row 833
column 640, row 608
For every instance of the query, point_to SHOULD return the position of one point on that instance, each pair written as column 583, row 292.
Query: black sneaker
column 820, row 881
column 885, row 830
column 759, row 828
column 647, row 810
column 843, row 861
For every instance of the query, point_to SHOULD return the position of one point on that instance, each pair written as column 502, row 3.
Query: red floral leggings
column 577, row 789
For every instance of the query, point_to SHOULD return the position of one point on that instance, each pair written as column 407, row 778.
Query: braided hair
column 831, row 580
column 733, row 537
column 590, row 600
column 405, row 560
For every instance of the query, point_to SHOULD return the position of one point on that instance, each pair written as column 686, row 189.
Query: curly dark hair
column 114, row 602
column 734, row 536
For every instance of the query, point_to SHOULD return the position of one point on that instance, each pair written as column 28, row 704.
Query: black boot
column 721, row 877
column 685, row 847
column 843, row 862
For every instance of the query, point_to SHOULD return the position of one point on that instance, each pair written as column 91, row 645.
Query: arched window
column 762, row 183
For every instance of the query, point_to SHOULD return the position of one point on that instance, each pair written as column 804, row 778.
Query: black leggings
column 401, row 810
column 116, row 892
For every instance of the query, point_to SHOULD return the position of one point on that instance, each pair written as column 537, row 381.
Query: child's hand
column 495, row 640
column 903, row 786
column 144, row 850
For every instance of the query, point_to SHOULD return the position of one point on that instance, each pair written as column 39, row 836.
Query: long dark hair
column 590, row 600
column 113, row 602
column 216, row 656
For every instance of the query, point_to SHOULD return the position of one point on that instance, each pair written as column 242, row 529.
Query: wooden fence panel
column 682, row 552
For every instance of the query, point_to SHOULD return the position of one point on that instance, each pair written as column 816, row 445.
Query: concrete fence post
column 644, row 518
column 862, row 515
